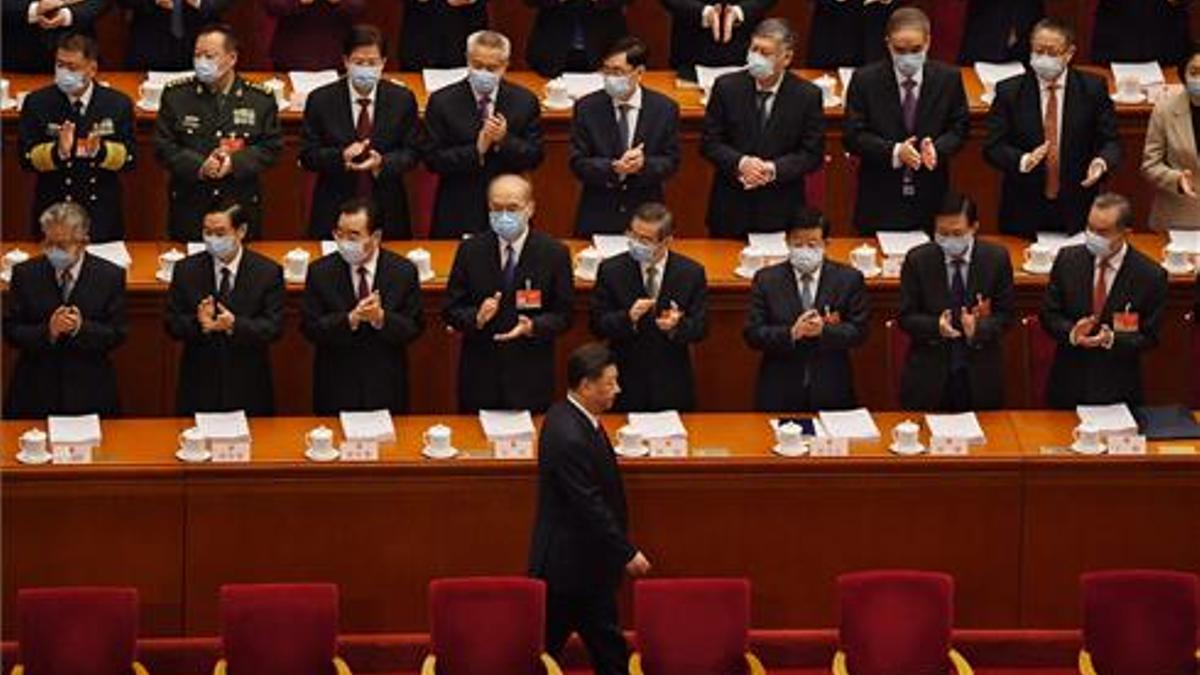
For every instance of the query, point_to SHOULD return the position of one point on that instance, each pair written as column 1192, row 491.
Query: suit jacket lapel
column 924, row 100
column 1181, row 117
column 1072, row 94
column 242, row 281
column 1123, row 278
column 791, row 290
column 1030, row 102
column 346, row 113
column 941, row 280
column 344, row 283
column 892, row 98
column 826, row 295
column 612, row 132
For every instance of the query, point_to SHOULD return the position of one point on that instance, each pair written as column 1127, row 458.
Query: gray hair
column 69, row 214
column 489, row 39
column 776, row 29
column 1112, row 200
column 908, row 17
column 657, row 214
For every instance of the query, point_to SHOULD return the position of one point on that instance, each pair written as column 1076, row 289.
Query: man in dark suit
column 1053, row 134
column 361, row 134
column 624, row 143
column 1150, row 30
column 33, row 28
column 362, row 307
column 763, row 131
column 225, row 305
column 580, row 545
column 571, row 35
column 162, row 32
column 478, row 129
column 997, row 31
column 905, row 118
column 651, row 305
column 78, row 135
column 215, row 134
column 510, row 295
column 433, row 32
column 1102, row 307
column 847, row 32
column 805, row 316
column 711, row 33
column 956, row 302
column 64, row 313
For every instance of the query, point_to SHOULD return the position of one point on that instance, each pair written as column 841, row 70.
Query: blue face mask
column 806, row 259
column 364, row 78
column 1098, row 246
column 759, row 66
column 1193, row 87
column 69, row 82
column 619, row 87
column 483, row 81
column 954, row 247
column 508, row 225
column 352, row 251
column 59, row 258
column 220, row 247
column 206, row 69
column 642, row 252
column 1047, row 67
column 909, row 64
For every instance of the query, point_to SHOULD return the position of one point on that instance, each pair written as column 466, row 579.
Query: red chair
column 898, row 345
column 1139, row 622
column 948, row 19
column 1038, row 357
column 896, row 622
column 689, row 626
column 486, row 626
column 279, row 629
column 815, row 184
column 77, row 631
column 1195, row 323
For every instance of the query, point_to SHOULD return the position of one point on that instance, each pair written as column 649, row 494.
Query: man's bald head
column 510, row 192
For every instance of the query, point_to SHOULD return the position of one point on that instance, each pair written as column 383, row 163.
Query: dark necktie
column 909, row 104
column 177, row 19
column 485, row 102
column 806, row 294
column 364, row 286
column 623, row 125
column 225, row 286
column 652, row 281
column 65, row 284
column 958, row 293
column 510, row 266
column 764, row 113
column 362, row 130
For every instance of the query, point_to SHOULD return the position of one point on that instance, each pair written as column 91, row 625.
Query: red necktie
column 1100, row 292
column 1050, row 131
column 364, row 287
column 363, row 131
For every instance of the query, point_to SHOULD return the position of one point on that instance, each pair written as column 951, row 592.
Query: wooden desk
column 286, row 185
column 725, row 367
column 1014, row 526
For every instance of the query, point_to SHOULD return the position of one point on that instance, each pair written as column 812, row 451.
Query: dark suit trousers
column 594, row 617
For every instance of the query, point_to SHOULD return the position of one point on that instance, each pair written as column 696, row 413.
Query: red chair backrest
column 1140, row 621
column 898, row 345
column 895, row 622
column 279, row 629
column 424, row 188
column 487, row 625
column 948, row 19
column 692, row 626
column 1195, row 320
column 1039, row 349
column 77, row 631
column 814, row 186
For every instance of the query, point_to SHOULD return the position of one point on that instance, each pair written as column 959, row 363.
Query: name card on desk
column 1126, row 444
column 230, row 451
column 668, row 446
column 954, row 446
column 71, row 453
column 360, row 450
column 512, row 447
column 829, row 446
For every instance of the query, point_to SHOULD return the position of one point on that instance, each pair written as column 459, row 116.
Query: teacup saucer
column 192, row 458
column 745, row 272
column 871, row 273
column 439, row 454
column 1128, row 100
column 987, row 97
column 778, row 449
column 914, row 449
column 147, row 106
column 165, row 278
column 315, row 456
column 557, row 106
column 585, row 276
column 1186, row 269
column 34, row 458
column 426, row 278
column 832, row 102
column 638, row 451
column 1030, row 269
column 1097, row 449
column 293, row 278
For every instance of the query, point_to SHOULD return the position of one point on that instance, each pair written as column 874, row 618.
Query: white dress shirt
column 1060, row 83
column 635, row 109
column 816, row 283
column 660, row 268
column 368, row 264
column 232, row 266
column 355, row 108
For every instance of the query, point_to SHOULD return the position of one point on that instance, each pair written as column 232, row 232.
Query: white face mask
column 1047, row 67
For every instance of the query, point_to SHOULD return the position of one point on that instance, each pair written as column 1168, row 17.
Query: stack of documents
column 769, row 243
column 964, row 426
column 114, row 252
column 1109, row 419
column 898, row 244
column 666, row 424
column 506, row 423
column 610, row 245
column 368, row 425
column 76, row 430
column 439, row 78
column 223, row 426
column 852, row 424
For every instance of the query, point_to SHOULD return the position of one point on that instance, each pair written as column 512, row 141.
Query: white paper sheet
column 898, row 244
column 707, row 75
column 78, row 429
column 770, row 243
column 163, row 76
column 194, row 247
column 665, row 424
column 610, row 245
column 962, row 425
column 854, row 424
column 328, row 247
column 223, row 426
column 1188, row 239
column 1057, row 240
column 1147, row 73
column 991, row 73
column 368, row 425
column 581, row 84
column 304, row 81
column 1108, row 418
column 845, row 74
column 506, row 423
column 440, row 78
column 114, row 252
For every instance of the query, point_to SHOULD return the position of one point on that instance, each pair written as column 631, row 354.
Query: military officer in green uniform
column 215, row 134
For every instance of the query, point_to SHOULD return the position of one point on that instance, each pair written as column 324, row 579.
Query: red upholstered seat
column 1038, row 352
column 948, row 21
column 814, row 186
column 898, row 344
column 1195, row 321
column 77, row 631
column 487, row 625
column 692, row 627
column 1139, row 622
column 279, row 629
column 896, row 622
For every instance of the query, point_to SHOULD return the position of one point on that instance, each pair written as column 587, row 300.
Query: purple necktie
column 909, row 104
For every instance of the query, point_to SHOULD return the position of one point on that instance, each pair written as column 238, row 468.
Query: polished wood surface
column 725, row 367
column 1015, row 521
column 557, row 191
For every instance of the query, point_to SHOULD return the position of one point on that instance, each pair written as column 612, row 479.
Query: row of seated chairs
column 891, row 622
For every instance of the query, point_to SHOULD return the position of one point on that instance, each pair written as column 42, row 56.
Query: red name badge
column 232, row 145
column 529, row 299
column 1125, row 322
